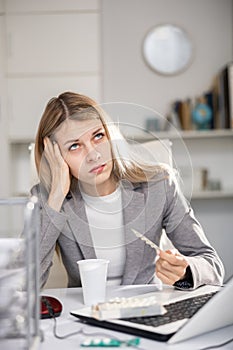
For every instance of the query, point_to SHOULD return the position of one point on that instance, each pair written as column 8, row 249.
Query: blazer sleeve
column 187, row 235
column 52, row 223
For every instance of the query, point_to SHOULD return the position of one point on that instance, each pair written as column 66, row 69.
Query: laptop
column 190, row 314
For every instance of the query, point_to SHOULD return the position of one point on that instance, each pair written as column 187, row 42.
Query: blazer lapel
column 78, row 223
column 134, row 217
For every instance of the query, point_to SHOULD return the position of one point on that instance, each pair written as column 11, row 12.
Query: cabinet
column 27, row 97
column 210, row 149
column 47, row 48
column 60, row 52
column 61, row 43
column 29, row 6
column 4, row 152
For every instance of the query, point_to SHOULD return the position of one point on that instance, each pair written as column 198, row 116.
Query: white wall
column 4, row 152
column 127, row 78
column 124, row 76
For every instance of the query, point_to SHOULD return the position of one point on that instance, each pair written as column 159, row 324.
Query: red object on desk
column 50, row 307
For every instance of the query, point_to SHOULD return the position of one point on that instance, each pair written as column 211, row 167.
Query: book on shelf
column 183, row 111
column 209, row 98
column 212, row 110
column 186, row 115
column 229, row 92
column 223, row 98
column 215, row 90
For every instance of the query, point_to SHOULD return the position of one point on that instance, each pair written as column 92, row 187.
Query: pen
column 146, row 240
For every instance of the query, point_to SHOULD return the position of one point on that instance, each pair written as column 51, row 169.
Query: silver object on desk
column 146, row 240
column 19, row 273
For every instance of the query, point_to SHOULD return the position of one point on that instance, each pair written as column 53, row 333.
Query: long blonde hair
column 70, row 105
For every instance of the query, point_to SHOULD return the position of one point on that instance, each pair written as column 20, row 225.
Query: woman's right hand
column 60, row 174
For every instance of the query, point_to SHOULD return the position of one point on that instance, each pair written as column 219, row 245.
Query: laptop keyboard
column 175, row 311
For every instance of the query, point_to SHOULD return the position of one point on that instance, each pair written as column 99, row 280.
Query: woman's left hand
column 170, row 266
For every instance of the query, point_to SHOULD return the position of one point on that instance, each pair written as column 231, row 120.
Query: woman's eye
column 99, row 136
column 74, row 147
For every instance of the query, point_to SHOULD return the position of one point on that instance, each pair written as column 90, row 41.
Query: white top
column 106, row 226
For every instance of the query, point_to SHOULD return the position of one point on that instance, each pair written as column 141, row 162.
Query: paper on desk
column 135, row 290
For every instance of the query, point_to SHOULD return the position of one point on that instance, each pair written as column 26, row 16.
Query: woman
column 93, row 191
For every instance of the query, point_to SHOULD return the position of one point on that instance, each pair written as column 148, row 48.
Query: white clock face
column 167, row 49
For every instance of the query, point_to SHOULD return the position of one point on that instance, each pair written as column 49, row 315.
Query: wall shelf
column 212, row 194
column 190, row 134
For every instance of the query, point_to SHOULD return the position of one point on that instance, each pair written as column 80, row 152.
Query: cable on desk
column 99, row 334
column 81, row 331
column 65, row 335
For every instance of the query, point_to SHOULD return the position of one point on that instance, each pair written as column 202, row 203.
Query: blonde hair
column 70, row 105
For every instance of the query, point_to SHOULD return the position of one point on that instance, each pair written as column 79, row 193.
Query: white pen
column 146, row 240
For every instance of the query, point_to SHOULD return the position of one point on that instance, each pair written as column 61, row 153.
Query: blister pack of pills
column 109, row 342
column 128, row 307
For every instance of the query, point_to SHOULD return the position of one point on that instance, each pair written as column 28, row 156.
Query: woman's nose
column 92, row 154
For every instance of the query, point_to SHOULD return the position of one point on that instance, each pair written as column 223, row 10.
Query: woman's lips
column 98, row 169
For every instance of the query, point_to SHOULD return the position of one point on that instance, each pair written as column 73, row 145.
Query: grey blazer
column 149, row 208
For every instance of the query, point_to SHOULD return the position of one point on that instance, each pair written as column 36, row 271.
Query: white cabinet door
column 53, row 43
column 50, row 5
column 27, row 99
column 2, row 6
column 4, row 161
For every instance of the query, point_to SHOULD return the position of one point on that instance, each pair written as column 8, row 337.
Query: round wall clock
column 167, row 49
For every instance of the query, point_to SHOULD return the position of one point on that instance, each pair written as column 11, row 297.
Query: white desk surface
column 71, row 299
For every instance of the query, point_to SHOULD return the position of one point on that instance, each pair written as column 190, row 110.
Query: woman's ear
column 52, row 139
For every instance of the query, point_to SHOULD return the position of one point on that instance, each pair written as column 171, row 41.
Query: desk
column 71, row 299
